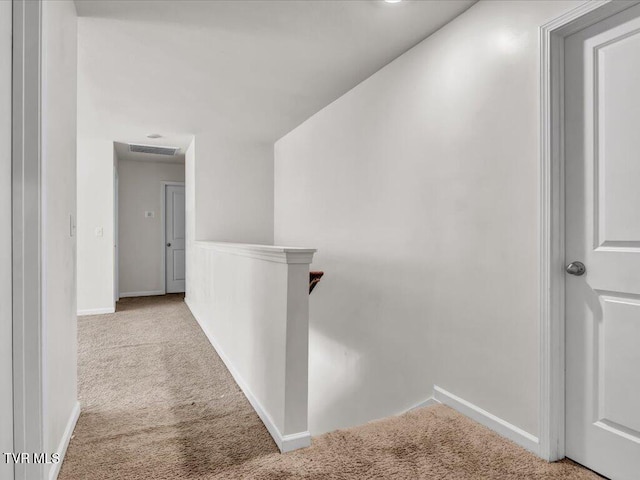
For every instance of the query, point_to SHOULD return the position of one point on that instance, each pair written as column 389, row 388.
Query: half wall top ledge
column 271, row 253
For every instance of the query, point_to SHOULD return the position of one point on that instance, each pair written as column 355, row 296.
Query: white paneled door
column 175, row 240
column 602, row 175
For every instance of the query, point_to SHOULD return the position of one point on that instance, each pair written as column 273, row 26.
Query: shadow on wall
column 355, row 338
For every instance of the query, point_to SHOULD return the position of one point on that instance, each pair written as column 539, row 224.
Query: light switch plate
column 149, row 214
column 99, row 232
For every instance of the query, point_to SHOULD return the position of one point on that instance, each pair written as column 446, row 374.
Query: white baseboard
column 425, row 403
column 501, row 427
column 286, row 443
column 151, row 293
column 64, row 441
column 96, row 311
column 294, row 441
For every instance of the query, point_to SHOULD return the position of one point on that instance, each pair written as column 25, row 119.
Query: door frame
column 163, row 221
column 6, row 250
column 552, row 224
column 28, row 396
column 116, row 236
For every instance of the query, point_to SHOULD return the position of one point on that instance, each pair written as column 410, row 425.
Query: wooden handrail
column 314, row 279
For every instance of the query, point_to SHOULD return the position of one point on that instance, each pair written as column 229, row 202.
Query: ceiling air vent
column 153, row 149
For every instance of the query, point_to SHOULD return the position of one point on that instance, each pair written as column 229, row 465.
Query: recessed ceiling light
column 154, row 135
column 393, row 1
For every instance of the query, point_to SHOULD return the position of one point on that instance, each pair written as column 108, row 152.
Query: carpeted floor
column 158, row 403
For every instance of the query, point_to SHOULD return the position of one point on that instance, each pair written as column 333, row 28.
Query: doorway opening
column 149, row 219
column 173, row 219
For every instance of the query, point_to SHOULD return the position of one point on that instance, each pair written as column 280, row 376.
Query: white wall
column 235, row 172
column 420, row 190
column 141, row 240
column 255, row 312
column 253, row 304
column 234, row 184
column 95, row 209
column 6, row 374
column 59, row 60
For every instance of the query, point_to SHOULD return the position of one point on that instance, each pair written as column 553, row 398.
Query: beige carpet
column 158, row 403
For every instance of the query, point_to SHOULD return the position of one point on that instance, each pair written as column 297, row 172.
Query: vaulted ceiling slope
column 249, row 70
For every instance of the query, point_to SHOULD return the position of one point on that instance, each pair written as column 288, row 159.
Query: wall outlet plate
column 149, row 214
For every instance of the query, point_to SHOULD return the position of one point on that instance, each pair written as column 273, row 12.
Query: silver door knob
column 168, row 244
column 576, row 268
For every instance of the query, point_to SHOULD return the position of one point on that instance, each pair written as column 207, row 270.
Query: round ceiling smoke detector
column 154, row 135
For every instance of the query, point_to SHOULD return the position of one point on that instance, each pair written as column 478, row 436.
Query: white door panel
column 175, row 238
column 602, row 112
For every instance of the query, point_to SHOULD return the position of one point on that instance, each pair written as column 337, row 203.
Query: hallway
column 158, row 403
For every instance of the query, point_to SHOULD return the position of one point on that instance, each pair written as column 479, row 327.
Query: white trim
column 425, row 403
column 552, row 308
column 151, row 293
column 6, row 252
column 294, row 441
column 96, row 311
column 498, row 425
column 64, row 441
column 163, row 221
column 28, row 405
column 286, row 443
column 269, row 253
column 116, row 230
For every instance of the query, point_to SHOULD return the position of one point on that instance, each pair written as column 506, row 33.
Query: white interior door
column 602, row 134
column 175, row 238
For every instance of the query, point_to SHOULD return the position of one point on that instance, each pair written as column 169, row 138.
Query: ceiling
column 243, row 70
